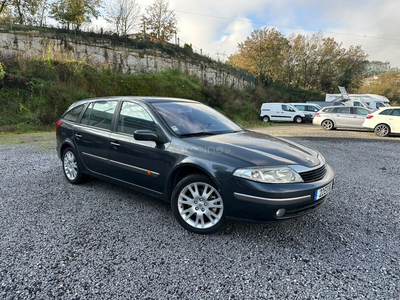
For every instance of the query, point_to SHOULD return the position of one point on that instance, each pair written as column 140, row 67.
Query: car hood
column 257, row 149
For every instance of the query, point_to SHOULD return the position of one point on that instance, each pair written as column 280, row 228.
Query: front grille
column 314, row 175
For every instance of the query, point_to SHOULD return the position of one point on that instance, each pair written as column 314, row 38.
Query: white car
column 282, row 112
column 384, row 121
column 307, row 108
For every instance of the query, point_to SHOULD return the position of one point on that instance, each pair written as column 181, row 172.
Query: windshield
column 185, row 119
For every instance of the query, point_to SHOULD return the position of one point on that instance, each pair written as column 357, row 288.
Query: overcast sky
column 217, row 26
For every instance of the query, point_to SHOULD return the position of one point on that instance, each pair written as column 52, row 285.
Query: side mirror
column 145, row 135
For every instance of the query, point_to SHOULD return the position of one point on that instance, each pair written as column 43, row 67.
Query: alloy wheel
column 200, row 205
column 70, row 165
column 382, row 130
column 327, row 125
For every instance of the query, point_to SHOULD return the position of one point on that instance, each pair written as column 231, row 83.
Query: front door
column 140, row 163
column 92, row 134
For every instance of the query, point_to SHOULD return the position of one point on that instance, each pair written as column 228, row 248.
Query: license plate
column 322, row 192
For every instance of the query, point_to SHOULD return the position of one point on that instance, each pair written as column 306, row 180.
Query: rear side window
column 343, row 110
column 328, row 110
column 134, row 117
column 100, row 114
column 385, row 112
column 73, row 114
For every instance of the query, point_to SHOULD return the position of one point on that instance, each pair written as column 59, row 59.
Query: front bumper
column 259, row 202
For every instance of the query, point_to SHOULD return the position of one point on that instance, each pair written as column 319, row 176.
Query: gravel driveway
column 100, row 241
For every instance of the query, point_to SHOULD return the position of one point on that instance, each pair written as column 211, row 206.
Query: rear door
column 140, row 163
column 91, row 135
column 343, row 118
column 359, row 115
column 394, row 120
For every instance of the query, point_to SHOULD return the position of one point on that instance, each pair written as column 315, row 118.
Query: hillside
column 35, row 92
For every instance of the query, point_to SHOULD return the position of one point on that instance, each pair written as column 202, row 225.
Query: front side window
column 134, row 117
column 100, row 114
column 360, row 111
column 73, row 114
column 356, row 103
column 343, row 110
column 396, row 112
column 287, row 108
column 190, row 118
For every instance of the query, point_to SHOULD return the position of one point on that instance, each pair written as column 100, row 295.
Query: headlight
column 269, row 174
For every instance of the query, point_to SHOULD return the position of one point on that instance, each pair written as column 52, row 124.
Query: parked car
column 333, row 117
column 326, row 104
column 183, row 152
column 384, row 121
column 282, row 112
column 308, row 108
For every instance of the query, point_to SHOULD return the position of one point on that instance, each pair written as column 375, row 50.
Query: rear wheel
column 298, row 119
column 197, row 205
column 382, row 130
column 71, row 167
column 265, row 119
column 327, row 125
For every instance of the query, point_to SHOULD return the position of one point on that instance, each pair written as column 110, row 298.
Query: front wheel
column 298, row 119
column 197, row 205
column 382, row 130
column 265, row 119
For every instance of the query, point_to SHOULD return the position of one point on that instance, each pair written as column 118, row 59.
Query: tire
column 192, row 210
column 327, row 125
column 72, row 167
column 265, row 119
column 298, row 119
column 382, row 130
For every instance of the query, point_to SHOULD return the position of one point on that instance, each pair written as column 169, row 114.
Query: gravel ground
column 100, row 241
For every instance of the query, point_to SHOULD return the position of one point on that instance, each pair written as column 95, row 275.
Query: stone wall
column 121, row 59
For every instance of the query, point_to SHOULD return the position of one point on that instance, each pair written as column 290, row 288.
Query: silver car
column 333, row 117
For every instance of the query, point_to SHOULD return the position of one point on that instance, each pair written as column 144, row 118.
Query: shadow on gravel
column 352, row 140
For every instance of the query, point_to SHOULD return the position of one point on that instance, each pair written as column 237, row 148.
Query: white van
column 282, row 112
column 307, row 108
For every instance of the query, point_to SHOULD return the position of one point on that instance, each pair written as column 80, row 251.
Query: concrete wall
column 122, row 59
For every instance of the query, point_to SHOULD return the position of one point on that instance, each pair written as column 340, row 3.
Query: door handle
column 78, row 135
column 115, row 144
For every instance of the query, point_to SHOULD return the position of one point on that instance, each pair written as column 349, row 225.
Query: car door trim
column 130, row 167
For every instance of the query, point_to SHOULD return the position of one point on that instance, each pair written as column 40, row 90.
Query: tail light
column 369, row 117
column 317, row 115
column 58, row 124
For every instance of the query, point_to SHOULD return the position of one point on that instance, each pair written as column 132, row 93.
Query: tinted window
column 287, row 108
column 357, row 103
column 379, row 104
column 134, row 117
column 395, row 112
column 100, row 114
column 73, row 114
column 301, row 107
column 343, row 110
column 360, row 111
column 385, row 112
column 185, row 118
column 328, row 110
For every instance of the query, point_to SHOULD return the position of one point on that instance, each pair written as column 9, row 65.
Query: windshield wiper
column 197, row 134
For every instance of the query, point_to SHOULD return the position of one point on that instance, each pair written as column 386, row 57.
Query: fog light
column 280, row 212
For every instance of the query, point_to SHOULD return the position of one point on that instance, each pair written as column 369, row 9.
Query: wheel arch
column 181, row 172
column 383, row 123
column 66, row 145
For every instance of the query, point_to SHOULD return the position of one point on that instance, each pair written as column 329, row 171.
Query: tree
column 160, row 22
column 124, row 15
column 30, row 12
column 386, row 84
column 75, row 12
column 262, row 54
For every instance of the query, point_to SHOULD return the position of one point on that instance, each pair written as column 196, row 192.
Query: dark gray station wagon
column 210, row 169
